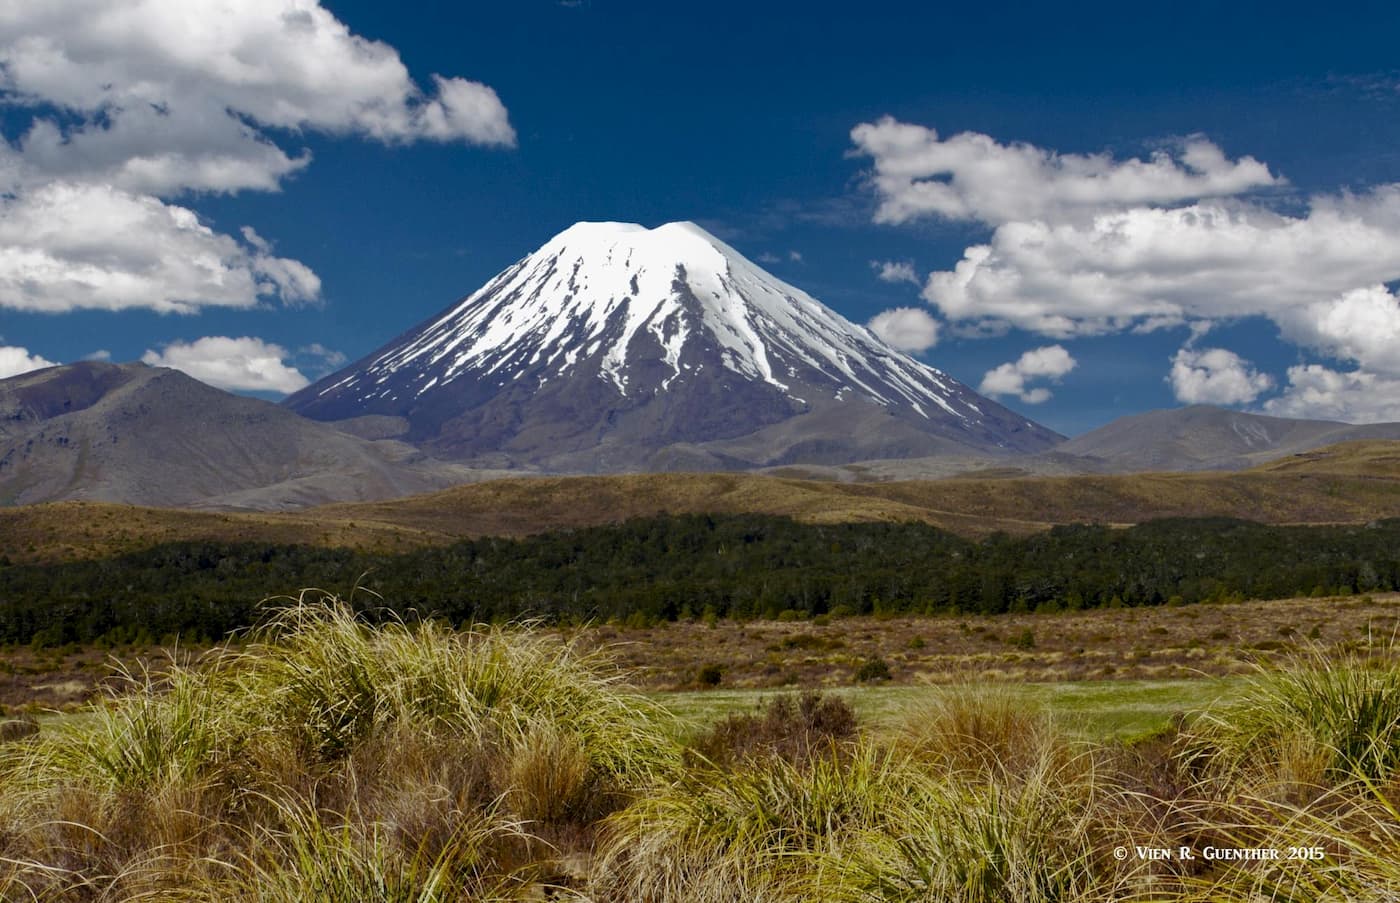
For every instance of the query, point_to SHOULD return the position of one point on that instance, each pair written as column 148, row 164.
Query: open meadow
column 1171, row 645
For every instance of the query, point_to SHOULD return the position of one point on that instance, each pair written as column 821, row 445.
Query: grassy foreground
column 328, row 759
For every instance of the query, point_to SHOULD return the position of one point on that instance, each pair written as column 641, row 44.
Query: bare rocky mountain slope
column 151, row 436
column 1202, row 437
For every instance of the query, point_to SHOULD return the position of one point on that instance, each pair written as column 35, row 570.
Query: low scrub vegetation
column 331, row 756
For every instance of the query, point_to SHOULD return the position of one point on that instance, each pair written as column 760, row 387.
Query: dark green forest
column 741, row 566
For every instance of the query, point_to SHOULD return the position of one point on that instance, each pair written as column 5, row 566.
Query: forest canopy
column 670, row 567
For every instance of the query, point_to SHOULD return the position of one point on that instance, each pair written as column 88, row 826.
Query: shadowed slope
column 151, row 436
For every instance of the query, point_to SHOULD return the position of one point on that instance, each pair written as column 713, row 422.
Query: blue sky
column 1087, row 210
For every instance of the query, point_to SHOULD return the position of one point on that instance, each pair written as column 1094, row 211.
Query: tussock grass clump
column 1342, row 844
column 329, row 680
column 309, row 859
column 1318, row 719
column 755, row 833
column 1039, row 837
column 160, row 730
column 982, row 728
column 1308, row 760
column 974, row 798
column 330, row 759
column 1004, row 807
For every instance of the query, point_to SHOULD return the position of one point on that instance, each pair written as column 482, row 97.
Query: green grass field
column 1092, row 709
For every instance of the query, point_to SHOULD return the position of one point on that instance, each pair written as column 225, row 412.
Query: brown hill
column 1354, row 482
column 78, row 530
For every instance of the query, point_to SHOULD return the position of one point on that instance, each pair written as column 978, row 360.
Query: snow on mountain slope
column 614, row 344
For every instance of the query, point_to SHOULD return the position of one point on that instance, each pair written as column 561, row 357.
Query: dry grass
column 1161, row 643
column 71, row 531
column 329, row 759
column 1348, row 483
column 1158, row 643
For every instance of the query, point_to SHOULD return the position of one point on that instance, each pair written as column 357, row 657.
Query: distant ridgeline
column 663, row 568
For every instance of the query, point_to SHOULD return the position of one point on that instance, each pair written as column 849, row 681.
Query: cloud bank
column 136, row 104
column 1091, row 245
column 970, row 176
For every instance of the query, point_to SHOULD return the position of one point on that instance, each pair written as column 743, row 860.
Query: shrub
column 790, row 728
column 873, row 670
column 709, row 675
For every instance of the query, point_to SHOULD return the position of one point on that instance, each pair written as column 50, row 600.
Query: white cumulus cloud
column 68, row 246
column 1318, row 392
column 1215, row 376
column 242, row 364
column 894, row 271
column 288, row 64
column 906, row 328
column 1202, row 262
column 1362, row 325
column 1047, row 362
column 971, row 176
column 138, row 102
column 15, row 360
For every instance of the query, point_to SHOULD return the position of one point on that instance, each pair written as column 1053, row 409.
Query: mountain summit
column 616, row 347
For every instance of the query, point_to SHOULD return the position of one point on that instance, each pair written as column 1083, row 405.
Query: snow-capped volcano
column 618, row 347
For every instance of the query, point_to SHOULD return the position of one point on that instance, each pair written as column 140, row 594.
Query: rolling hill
column 1354, row 482
column 1203, row 437
column 150, row 436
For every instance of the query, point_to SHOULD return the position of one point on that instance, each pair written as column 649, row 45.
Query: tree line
column 675, row 567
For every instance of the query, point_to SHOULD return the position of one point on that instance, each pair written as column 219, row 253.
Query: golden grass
column 331, row 759
column 1355, row 484
column 67, row 531
column 1348, row 483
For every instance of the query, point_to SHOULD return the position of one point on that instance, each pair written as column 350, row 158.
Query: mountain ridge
column 147, row 435
column 1207, row 437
